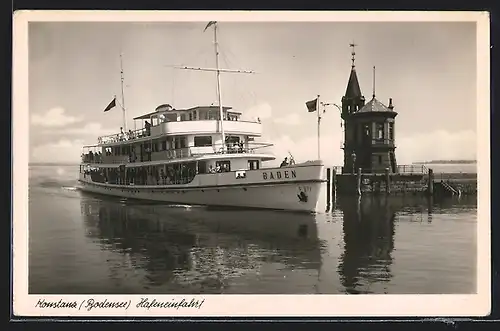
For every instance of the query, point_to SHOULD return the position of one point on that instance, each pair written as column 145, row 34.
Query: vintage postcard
column 178, row 163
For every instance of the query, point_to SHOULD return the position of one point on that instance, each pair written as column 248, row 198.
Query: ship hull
column 302, row 194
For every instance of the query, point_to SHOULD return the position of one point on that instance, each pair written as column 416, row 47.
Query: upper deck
column 166, row 121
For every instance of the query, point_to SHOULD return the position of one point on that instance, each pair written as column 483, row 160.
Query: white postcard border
column 250, row 305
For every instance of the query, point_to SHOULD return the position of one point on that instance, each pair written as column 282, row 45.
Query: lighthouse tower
column 369, row 139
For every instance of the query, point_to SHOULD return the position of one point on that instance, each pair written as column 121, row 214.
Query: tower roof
column 353, row 90
column 374, row 106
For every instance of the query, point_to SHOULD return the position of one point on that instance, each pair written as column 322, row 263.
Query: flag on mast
column 111, row 105
column 312, row 105
column 209, row 25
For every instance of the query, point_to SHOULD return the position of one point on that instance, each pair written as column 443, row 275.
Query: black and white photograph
column 207, row 163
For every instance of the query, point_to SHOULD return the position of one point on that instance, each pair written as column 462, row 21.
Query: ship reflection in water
column 197, row 250
column 368, row 229
column 152, row 248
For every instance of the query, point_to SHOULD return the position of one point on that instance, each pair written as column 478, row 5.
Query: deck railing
column 412, row 169
column 117, row 137
column 401, row 169
column 179, row 153
column 250, row 147
column 140, row 133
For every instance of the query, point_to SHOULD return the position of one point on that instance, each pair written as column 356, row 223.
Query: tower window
column 380, row 131
column 366, row 130
column 391, row 131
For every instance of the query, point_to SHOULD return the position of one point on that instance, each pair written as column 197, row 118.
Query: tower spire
column 353, row 53
column 373, row 95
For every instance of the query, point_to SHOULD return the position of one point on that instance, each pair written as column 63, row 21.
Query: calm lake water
column 81, row 243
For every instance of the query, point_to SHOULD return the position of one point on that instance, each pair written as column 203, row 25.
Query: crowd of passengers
column 143, row 176
column 219, row 168
column 91, row 157
column 124, row 136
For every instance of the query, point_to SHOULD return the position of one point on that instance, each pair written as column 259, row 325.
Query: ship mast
column 218, row 71
column 221, row 110
column 123, row 95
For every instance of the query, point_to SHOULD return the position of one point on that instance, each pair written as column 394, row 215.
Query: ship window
column 203, row 115
column 380, row 159
column 171, row 117
column 164, row 145
column 182, row 142
column 253, row 164
column 213, row 115
column 232, row 139
column 240, row 174
column 202, row 167
column 391, row 131
column 202, row 141
column 225, row 166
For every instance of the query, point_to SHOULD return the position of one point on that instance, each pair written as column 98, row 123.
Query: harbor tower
column 369, row 139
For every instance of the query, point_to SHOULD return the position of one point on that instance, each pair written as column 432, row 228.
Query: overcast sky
column 429, row 69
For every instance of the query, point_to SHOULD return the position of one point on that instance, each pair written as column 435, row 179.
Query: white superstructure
column 205, row 155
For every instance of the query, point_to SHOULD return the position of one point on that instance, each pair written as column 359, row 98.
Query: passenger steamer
column 205, row 155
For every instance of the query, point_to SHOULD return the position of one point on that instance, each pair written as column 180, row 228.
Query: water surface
column 81, row 243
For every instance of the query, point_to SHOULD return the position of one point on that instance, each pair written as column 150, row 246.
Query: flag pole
column 319, row 120
column 123, row 95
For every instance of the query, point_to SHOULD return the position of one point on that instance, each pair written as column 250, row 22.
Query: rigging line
column 243, row 92
column 230, row 53
column 173, row 87
column 201, row 51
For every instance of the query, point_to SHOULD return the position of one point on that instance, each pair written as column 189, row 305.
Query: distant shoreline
column 447, row 162
column 51, row 164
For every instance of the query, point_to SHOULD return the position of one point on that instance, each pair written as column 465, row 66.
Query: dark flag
column 209, row 24
column 312, row 105
column 112, row 104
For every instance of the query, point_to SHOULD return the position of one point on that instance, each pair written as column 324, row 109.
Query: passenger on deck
column 163, row 177
column 284, row 163
column 147, row 126
column 130, row 134
column 122, row 135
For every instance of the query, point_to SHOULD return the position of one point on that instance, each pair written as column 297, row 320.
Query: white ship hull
column 273, row 188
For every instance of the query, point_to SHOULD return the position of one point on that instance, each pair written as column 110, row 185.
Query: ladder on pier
column 447, row 188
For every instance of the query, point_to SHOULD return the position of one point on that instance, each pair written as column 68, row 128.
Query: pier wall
column 428, row 183
column 380, row 183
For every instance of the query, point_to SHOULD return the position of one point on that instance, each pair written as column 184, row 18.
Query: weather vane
column 353, row 53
